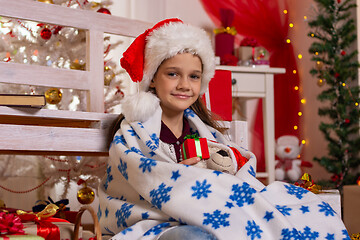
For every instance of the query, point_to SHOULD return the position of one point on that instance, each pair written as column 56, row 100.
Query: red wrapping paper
column 188, row 149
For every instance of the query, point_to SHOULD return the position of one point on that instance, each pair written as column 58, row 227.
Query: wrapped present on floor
column 45, row 225
column 54, row 229
column 194, row 146
column 351, row 208
column 11, row 227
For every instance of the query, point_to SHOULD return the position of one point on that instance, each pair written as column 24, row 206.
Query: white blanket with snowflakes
column 144, row 193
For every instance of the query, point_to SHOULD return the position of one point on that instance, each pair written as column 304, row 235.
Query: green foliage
column 334, row 32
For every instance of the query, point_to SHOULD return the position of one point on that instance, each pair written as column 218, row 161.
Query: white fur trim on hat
column 171, row 39
column 140, row 106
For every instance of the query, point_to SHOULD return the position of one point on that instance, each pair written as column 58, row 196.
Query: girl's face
column 177, row 82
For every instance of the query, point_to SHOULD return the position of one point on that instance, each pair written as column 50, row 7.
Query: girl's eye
column 172, row 74
column 195, row 76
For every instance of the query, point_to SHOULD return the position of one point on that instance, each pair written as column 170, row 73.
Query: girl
column 144, row 195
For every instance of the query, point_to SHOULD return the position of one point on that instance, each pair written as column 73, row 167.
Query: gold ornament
column 320, row 82
column 108, row 75
column 77, row 65
column 85, row 195
column 46, row 1
column 319, row 65
column 2, row 204
column 53, row 96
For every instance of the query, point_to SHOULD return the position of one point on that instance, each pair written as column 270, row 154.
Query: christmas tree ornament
column 46, row 1
column 53, row 96
column 104, row 10
column 320, row 82
column 45, row 33
column 85, row 195
column 347, row 121
column 343, row 53
column 319, row 65
column 339, row 1
column 76, row 65
column 108, row 75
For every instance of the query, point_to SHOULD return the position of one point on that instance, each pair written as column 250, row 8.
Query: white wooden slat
column 83, row 19
column 52, row 139
column 43, row 76
column 95, row 60
column 60, row 114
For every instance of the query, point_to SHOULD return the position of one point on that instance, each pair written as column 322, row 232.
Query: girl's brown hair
column 206, row 115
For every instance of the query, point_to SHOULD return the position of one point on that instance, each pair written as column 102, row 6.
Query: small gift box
column 53, row 225
column 194, row 146
column 44, row 225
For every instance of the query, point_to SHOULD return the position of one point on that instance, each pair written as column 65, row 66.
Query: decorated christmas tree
column 55, row 46
column 336, row 68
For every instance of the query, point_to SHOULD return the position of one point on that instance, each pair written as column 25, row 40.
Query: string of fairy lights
column 294, row 71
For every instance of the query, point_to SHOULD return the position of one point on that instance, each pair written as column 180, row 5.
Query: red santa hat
column 144, row 56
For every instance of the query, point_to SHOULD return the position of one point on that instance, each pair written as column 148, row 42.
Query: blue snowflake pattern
column 153, row 144
column 346, row 235
column 140, row 124
column 252, row 171
column 126, row 230
column 296, row 191
column 109, row 177
column 145, row 215
column 160, row 195
column 217, row 173
column 99, row 213
column 304, row 209
column 189, row 113
column 123, row 169
column 152, row 154
column 106, row 212
column 147, row 164
column 157, row 229
column 119, row 139
column 330, row 236
column 123, row 213
column 242, row 194
column 308, row 235
column 290, row 234
column 229, row 205
column 135, row 150
column 133, row 133
column 325, row 207
column 214, row 134
column 216, row 219
column 175, row 175
column 284, row 210
column 269, row 215
column 201, row 189
column 253, row 230
column 141, row 197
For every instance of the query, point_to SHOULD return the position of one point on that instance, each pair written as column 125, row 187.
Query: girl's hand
column 190, row 161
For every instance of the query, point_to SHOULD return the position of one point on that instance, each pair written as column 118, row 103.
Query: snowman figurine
column 288, row 166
